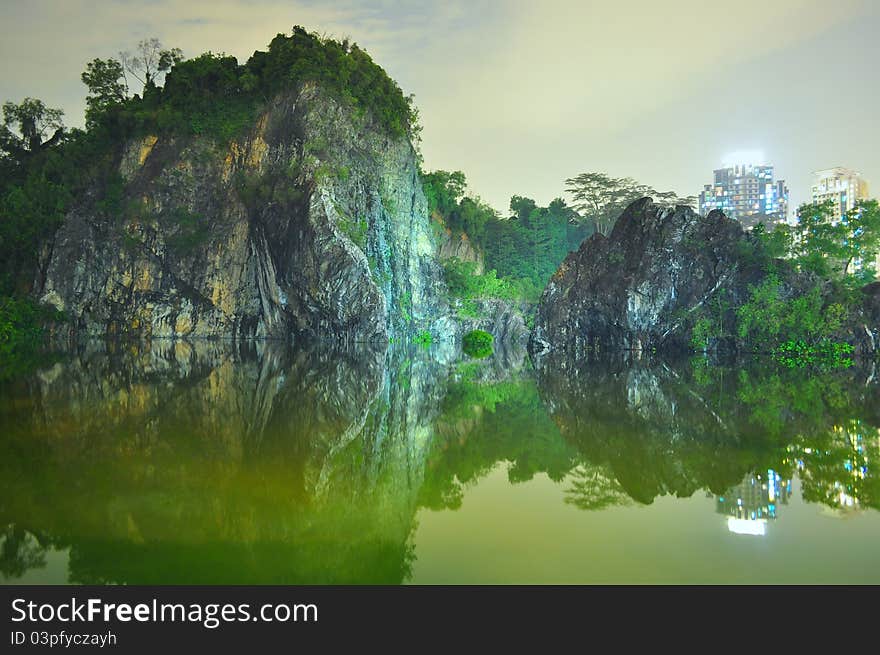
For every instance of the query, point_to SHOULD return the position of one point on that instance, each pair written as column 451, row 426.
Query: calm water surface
column 208, row 463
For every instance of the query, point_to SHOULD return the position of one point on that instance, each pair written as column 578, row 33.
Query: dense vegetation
column 215, row 95
column 521, row 251
column 812, row 276
column 21, row 329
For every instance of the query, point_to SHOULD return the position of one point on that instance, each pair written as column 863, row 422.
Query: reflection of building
column 843, row 186
column 837, row 474
column 747, row 193
column 751, row 504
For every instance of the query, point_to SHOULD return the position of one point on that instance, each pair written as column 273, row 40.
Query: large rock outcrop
column 313, row 223
column 634, row 289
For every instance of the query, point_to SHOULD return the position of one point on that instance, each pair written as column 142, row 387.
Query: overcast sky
column 523, row 94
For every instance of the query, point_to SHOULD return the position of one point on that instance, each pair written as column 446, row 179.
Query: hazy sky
column 523, row 94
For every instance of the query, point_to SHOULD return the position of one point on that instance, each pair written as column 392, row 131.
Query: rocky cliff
column 457, row 246
column 645, row 286
column 633, row 289
column 313, row 223
column 504, row 319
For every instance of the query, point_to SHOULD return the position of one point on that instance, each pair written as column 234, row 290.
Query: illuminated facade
column 747, row 193
column 842, row 186
column 750, row 505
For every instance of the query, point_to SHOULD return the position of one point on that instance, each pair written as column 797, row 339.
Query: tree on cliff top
column 600, row 198
column 149, row 61
column 107, row 89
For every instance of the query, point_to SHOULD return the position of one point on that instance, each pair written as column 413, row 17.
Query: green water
column 209, row 463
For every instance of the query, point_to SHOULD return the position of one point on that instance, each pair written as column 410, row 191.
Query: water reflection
column 207, row 463
column 749, row 506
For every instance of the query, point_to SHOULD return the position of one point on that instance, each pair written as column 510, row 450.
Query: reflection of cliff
column 260, row 463
column 183, row 464
column 660, row 428
column 647, row 425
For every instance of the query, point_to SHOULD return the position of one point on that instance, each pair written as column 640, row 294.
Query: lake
column 212, row 463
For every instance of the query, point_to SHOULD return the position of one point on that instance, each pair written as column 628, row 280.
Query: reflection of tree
column 840, row 467
column 593, row 488
column 659, row 428
column 20, row 552
column 305, row 467
column 484, row 423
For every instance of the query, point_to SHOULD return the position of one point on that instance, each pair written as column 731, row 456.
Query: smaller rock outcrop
column 663, row 270
column 505, row 320
column 633, row 289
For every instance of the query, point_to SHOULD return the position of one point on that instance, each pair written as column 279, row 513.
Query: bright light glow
column 740, row 157
column 744, row 526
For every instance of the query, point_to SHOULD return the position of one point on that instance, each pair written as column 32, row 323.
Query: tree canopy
column 600, row 198
column 26, row 126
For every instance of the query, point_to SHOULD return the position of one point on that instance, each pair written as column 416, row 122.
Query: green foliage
column 531, row 244
column 112, row 202
column 477, row 344
column 423, row 339
column 342, row 67
column 213, row 95
column 799, row 324
column 769, row 317
column 107, row 91
column 825, row 354
column 22, row 324
column 524, row 250
column 204, row 96
column 844, row 249
column 469, row 309
column 355, row 230
column 704, row 329
column 26, row 126
column 463, row 281
column 443, row 191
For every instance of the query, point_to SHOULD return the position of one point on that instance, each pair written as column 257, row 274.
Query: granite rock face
column 459, row 246
column 867, row 330
column 505, row 320
column 312, row 224
column 634, row 289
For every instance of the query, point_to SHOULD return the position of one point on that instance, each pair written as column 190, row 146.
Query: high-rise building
column 747, row 193
column 843, row 186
